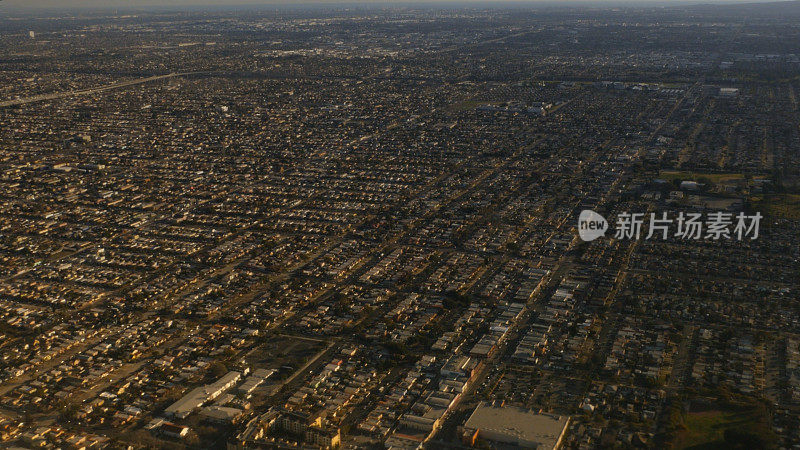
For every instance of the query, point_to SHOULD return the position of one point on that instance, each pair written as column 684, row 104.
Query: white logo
column 591, row 225
column 718, row 225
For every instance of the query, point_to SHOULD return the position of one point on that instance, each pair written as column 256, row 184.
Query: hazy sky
column 135, row 3
column 167, row 3
column 138, row 3
column 44, row 5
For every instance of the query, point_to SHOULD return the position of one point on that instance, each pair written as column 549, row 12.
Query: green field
column 706, row 429
column 785, row 206
column 468, row 104
column 715, row 178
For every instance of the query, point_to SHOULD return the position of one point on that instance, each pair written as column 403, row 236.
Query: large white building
column 515, row 426
column 196, row 397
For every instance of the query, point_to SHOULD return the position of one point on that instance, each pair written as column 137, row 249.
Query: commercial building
column 196, row 397
column 515, row 426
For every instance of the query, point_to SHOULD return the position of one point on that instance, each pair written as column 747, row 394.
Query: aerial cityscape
column 378, row 226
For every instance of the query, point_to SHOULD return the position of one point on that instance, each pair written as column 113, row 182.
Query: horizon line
column 55, row 5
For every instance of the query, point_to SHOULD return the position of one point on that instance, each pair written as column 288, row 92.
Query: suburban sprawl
column 358, row 227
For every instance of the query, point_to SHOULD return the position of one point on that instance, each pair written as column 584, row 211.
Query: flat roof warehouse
column 516, row 426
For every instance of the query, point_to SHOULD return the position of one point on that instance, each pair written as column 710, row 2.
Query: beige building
column 515, row 426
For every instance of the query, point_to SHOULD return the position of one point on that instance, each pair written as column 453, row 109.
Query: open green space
column 715, row 178
column 786, row 206
column 727, row 426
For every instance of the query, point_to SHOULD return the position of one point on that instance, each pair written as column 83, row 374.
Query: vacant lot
column 280, row 350
column 715, row 178
column 705, row 429
column 786, row 206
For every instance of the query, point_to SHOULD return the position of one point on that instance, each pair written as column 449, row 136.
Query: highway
column 94, row 90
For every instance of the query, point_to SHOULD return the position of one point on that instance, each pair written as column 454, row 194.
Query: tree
column 217, row 369
column 738, row 438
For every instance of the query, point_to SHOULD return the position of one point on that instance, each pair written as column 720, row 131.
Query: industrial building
column 515, row 426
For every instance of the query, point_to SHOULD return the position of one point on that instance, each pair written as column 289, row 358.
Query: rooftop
column 517, row 425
